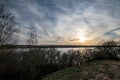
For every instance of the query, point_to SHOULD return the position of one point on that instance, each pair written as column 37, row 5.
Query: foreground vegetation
column 94, row 70
column 35, row 64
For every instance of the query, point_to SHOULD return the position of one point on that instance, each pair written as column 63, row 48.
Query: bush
column 107, row 52
column 35, row 64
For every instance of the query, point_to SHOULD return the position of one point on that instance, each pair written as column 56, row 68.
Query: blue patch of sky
column 94, row 15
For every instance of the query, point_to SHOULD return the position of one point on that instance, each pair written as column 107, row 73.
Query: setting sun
column 82, row 39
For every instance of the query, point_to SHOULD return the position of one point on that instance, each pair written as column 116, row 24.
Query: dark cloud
column 73, row 39
column 114, row 33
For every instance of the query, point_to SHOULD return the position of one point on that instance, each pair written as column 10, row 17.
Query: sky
column 67, row 21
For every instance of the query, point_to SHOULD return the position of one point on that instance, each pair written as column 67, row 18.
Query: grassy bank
column 95, row 70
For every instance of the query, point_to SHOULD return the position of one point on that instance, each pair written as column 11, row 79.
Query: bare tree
column 7, row 26
column 107, row 52
column 32, row 36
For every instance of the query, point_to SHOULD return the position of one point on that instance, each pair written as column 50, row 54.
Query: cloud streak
column 64, row 21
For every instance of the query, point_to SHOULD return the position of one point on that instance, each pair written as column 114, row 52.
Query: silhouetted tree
column 7, row 26
column 107, row 52
column 32, row 36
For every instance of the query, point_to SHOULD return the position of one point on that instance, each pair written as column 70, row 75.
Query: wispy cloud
column 64, row 21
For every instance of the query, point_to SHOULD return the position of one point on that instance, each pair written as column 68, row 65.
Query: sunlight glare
column 82, row 39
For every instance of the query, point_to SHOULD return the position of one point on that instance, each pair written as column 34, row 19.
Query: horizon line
column 55, row 46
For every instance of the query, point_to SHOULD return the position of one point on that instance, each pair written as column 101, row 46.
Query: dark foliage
column 35, row 64
column 107, row 52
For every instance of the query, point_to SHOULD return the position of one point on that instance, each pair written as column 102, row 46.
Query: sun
column 82, row 39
